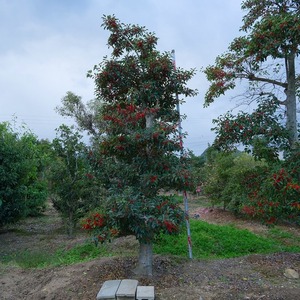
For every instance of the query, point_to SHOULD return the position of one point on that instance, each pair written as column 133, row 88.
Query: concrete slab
column 127, row 289
column 108, row 290
column 145, row 293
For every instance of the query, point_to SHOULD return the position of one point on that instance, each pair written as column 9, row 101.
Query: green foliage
column 138, row 70
column 143, row 217
column 209, row 242
column 138, row 154
column 75, row 189
column 35, row 198
column 257, row 189
column 280, row 234
column 85, row 115
column 147, row 157
column 273, row 194
column 260, row 132
column 275, row 27
column 41, row 259
column 225, row 176
column 22, row 189
column 215, row 241
column 80, row 253
column 265, row 57
column 30, row 259
column 196, row 164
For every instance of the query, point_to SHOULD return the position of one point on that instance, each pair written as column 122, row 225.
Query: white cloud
column 48, row 46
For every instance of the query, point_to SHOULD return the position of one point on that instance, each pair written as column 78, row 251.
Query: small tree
column 138, row 87
column 75, row 190
column 22, row 192
column 85, row 115
column 225, row 178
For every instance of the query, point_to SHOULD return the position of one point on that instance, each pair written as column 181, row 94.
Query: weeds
column 216, row 241
column 40, row 258
column 209, row 242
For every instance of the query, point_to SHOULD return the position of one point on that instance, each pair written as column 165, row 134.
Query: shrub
column 273, row 195
column 22, row 191
column 226, row 173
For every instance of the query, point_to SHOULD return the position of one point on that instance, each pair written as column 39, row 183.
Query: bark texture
column 291, row 114
column 145, row 261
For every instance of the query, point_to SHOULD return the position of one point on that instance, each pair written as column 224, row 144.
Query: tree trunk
column 149, row 120
column 145, row 261
column 144, row 267
column 70, row 225
column 291, row 123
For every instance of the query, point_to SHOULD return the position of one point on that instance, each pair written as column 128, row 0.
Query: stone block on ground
column 145, row 293
column 108, row 290
column 291, row 273
column 127, row 289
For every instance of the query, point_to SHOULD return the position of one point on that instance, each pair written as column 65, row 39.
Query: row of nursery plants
column 253, row 188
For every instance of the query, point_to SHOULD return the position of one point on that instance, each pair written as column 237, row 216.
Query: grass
column 209, row 242
column 284, row 237
column 280, row 234
column 215, row 241
column 41, row 259
column 81, row 253
column 31, row 259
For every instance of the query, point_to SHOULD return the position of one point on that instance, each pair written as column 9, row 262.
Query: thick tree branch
column 252, row 77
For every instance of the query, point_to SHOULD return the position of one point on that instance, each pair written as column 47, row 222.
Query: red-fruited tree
column 261, row 132
column 265, row 57
column 137, row 87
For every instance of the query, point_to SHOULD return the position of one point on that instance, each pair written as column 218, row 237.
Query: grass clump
column 40, row 258
column 80, row 253
column 290, row 240
column 216, row 241
column 31, row 259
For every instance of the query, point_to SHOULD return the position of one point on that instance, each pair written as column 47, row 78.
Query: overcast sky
column 47, row 47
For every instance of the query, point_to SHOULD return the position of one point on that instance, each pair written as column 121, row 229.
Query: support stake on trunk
column 185, row 198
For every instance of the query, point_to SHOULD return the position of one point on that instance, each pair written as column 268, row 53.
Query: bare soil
column 249, row 277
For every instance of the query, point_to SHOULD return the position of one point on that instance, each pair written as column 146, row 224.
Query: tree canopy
column 265, row 58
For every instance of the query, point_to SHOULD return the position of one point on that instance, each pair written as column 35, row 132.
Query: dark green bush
column 22, row 192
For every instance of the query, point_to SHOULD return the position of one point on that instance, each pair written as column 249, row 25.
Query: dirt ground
column 249, row 277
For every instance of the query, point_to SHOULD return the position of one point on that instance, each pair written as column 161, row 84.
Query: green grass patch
column 216, row 241
column 28, row 259
column 209, row 242
column 178, row 198
column 277, row 233
column 80, row 253
column 40, row 258
column 284, row 237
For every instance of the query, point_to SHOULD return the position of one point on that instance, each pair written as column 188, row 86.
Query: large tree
column 265, row 57
column 137, row 88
